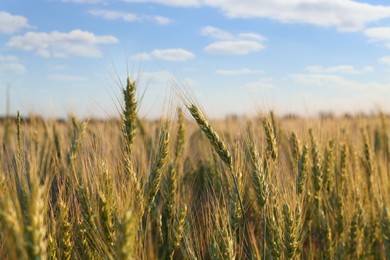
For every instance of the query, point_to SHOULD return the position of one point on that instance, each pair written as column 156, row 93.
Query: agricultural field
column 189, row 187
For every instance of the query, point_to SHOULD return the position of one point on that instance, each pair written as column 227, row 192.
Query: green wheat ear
column 107, row 219
column 340, row 183
column 385, row 226
column 35, row 229
column 272, row 147
column 317, row 169
column 295, row 146
column 179, row 231
column 368, row 162
column 12, row 229
column 126, row 238
column 155, row 175
column 171, row 189
column 129, row 114
column 66, row 231
column 290, row 239
column 180, row 139
column 259, row 179
column 329, row 166
column 76, row 143
column 303, row 168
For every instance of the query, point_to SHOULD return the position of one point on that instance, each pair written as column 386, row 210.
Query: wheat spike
column 178, row 232
column 129, row 114
column 155, row 175
column 302, row 169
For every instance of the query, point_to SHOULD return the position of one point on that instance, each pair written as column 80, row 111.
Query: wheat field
column 194, row 188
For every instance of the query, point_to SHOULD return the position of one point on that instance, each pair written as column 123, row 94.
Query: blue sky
column 233, row 56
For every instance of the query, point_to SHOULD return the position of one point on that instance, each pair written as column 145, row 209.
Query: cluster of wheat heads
column 262, row 188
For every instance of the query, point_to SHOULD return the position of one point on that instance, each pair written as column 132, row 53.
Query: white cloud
column 216, row 33
column 12, row 23
column 162, row 79
column 342, row 69
column 344, row 15
column 114, row 15
column 337, row 82
column 385, row 60
column 13, row 68
column 128, row 17
column 234, row 47
column 379, row 34
column 156, row 81
column 65, row 78
column 239, row 72
column 60, row 44
column 165, row 54
column 162, row 20
column 84, row 1
column 220, row 34
column 8, row 58
column 253, row 36
column 58, row 67
column 261, row 84
column 180, row 3
column 159, row 77
column 11, row 65
column 228, row 43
